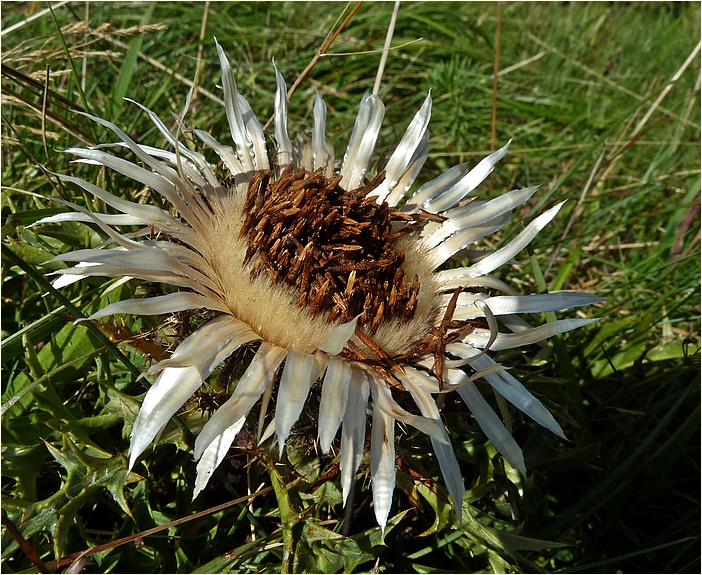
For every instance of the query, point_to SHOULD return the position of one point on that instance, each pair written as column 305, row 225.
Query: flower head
column 338, row 276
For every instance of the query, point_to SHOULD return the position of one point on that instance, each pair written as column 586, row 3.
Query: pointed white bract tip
column 427, row 102
column 201, row 482
column 549, row 214
column 268, row 433
column 205, row 471
column 339, row 337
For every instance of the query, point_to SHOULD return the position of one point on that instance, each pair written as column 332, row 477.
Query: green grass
column 622, row 494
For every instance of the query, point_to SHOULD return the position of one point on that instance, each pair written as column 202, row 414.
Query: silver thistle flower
column 334, row 280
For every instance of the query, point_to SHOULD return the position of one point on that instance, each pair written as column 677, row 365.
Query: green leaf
column 85, row 471
column 64, row 356
column 23, row 463
column 44, row 378
column 606, row 330
column 450, row 538
column 306, row 465
column 313, row 532
column 27, row 217
column 504, row 543
column 85, row 475
column 439, row 503
column 41, row 329
column 429, row 569
column 31, row 254
column 674, row 349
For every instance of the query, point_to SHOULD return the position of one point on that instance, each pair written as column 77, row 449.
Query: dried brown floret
column 336, row 247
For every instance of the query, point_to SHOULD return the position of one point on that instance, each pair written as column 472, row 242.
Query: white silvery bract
column 335, row 277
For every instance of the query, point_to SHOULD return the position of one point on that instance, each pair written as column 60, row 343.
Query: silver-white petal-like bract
column 503, row 255
column 466, row 184
column 362, row 143
column 382, row 463
column 335, row 394
column 214, row 454
column 294, row 387
column 284, row 154
column 406, row 152
column 258, row 376
column 479, row 337
column 450, row 470
column 353, row 429
column 477, row 213
column 204, row 350
column 235, row 118
column 493, row 428
column 159, row 305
